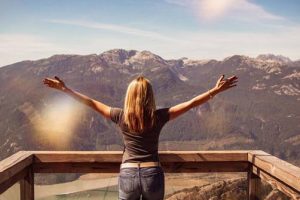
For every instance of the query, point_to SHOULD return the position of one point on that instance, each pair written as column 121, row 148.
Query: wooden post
column 27, row 185
column 253, row 181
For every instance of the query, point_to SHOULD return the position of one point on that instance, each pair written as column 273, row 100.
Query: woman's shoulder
column 163, row 114
column 166, row 109
column 116, row 114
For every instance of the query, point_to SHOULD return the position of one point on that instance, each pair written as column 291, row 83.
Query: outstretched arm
column 221, row 85
column 96, row 105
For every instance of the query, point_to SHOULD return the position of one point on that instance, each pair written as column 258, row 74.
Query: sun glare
column 58, row 121
column 213, row 9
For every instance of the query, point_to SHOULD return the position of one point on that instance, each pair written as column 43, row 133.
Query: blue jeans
column 148, row 182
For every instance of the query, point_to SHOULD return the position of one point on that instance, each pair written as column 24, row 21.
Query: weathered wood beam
column 276, row 183
column 172, row 161
column 205, row 167
column 12, row 180
column 277, row 168
column 253, row 184
column 169, row 167
column 77, row 156
column 27, row 185
column 79, row 167
column 200, row 156
column 116, row 156
column 14, row 168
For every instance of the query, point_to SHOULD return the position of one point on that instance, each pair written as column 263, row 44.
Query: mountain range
column 262, row 112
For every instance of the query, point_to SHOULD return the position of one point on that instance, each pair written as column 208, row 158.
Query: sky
column 196, row 29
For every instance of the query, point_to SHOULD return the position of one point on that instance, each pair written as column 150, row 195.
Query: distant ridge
column 274, row 58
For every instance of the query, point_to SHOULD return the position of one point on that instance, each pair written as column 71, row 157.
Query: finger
column 233, row 78
column 57, row 78
column 230, row 81
column 232, row 86
column 46, row 81
column 49, row 80
column 223, row 82
column 48, row 84
column 222, row 77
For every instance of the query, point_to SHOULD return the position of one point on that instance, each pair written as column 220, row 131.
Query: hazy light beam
column 57, row 122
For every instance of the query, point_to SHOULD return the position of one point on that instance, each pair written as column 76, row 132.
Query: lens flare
column 56, row 123
column 212, row 9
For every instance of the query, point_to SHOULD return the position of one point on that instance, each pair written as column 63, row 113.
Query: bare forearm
column 202, row 98
column 196, row 101
column 78, row 96
column 94, row 104
column 221, row 85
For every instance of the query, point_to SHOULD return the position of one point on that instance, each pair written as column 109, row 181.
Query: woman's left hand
column 56, row 84
column 224, row 84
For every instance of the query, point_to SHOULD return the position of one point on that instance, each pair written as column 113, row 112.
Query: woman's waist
column 140, row 164
column 132, row 157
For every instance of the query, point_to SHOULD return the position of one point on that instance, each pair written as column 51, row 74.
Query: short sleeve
column 115, row 114
column 163, row 115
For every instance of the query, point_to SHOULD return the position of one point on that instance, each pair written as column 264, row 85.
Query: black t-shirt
column 141, row 147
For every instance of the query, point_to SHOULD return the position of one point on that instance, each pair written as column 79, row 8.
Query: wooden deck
column 258, row 164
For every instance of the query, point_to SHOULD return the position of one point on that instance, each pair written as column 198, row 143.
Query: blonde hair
column 139, row 105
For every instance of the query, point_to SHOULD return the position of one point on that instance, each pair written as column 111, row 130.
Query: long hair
column 139, row 105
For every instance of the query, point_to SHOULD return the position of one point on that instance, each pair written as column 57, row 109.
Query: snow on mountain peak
column 273, row 58
column 142, row 57
column 190, row 62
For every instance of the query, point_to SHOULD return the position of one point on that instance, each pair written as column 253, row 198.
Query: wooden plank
column 116, row 156
column 77, row 156
column 253, row 184
column 169, row 167
column 103, row 161
column 205, row 167
column 280, row 185
column 279, row 169
column 12, row 168
column 71, row 167
column 199, row 156
column 27, row 185
column 12, row 180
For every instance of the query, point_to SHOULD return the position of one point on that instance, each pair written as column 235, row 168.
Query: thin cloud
column 282, row 40
column 17, row 42
column 114, row 28
column 217, row 45
column 17, row 47
column 213, row 10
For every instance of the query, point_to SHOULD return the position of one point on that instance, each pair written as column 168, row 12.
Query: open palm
column 224, row 84
column 56, row 83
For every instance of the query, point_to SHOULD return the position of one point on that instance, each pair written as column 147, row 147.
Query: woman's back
column 141, row 147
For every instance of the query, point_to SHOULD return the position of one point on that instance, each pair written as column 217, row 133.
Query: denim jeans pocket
column 154, row 181
column 126, row 183
column 150, row 171
column 126, row 180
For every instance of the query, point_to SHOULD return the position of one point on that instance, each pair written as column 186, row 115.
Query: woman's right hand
column 56, row 84
column 224, row 84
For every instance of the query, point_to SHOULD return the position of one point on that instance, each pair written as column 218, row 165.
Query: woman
column 141, row 123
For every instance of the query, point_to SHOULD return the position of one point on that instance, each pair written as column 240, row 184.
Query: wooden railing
column 258, row 164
